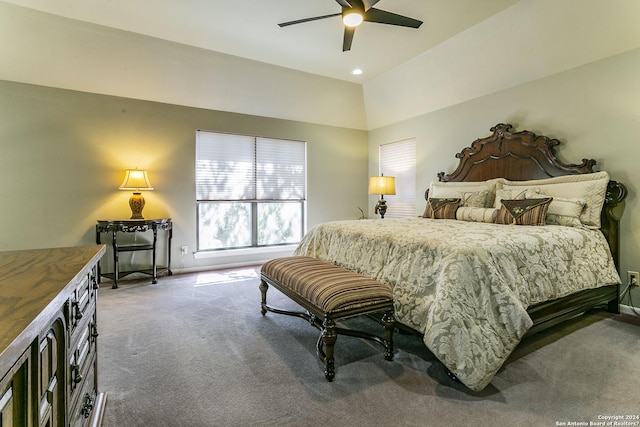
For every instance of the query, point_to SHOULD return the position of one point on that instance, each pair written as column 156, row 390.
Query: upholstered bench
column 329, row 293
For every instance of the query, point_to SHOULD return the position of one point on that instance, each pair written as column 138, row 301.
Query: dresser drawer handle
column 77, row 311
column 94, row 331
column 77, row 376
column 87, row 406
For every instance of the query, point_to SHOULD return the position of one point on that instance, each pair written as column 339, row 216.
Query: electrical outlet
column 183, row 249
column 632, row 278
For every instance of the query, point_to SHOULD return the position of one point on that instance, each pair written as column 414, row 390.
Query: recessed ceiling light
column 356, row 72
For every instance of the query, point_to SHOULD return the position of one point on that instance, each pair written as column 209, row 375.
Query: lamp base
column 136, row 203
column 381, row 208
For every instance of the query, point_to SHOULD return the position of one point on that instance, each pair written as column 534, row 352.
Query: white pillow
column 590, row 188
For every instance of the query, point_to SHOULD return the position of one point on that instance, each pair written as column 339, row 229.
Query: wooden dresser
column 48, row 338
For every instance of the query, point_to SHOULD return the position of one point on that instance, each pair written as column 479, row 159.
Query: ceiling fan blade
column 368, row 4
column 348, row 38
column 343, row 3
column 384, row 17
column 315, row 18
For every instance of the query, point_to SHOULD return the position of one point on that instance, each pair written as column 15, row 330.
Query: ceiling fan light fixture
column 352, row 19
column 354, row 13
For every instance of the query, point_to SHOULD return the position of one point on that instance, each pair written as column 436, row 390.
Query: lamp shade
column 136, row 180
column 382, row 185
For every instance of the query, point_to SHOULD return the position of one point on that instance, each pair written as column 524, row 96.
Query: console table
column 136, row 226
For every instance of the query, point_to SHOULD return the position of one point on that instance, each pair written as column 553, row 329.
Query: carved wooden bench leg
column 329, row 337
column 389, row 323
column 263, row 292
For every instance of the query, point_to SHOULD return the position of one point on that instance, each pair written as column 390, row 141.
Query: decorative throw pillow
column 476, row 214
column 590, row 187
column 512, row 194
column 564, row 211
column 478, row 194
column 523, row 212
column 477, row 199
column 441, row 208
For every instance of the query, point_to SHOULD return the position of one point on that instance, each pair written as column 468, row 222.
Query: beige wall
column 49, row 50
column 64, row 154
column 593, row 110
column 528, row 41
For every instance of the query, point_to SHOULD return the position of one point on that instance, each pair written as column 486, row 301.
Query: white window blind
column 238, row 167
column 280, row 169
column 399, row 159
column 224, row 167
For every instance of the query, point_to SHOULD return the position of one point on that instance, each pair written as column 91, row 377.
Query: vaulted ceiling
column 249, row 29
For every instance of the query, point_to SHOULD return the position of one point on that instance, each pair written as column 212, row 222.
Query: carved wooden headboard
column 524, row 155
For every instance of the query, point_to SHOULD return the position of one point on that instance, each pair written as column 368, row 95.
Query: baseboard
column 627, row 309
column 177, row 271
column 225, row 266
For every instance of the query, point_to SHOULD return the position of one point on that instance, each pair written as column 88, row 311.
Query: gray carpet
column 194, row 350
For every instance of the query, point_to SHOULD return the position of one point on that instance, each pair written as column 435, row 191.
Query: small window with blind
column 398, row 159
column 250, row 191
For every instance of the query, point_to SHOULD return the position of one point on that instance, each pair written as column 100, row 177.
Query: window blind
column 399, row 159
column 280, row 169
column 237, row 167
column 224, row 167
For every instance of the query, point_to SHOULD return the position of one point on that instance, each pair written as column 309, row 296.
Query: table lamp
column 382, row 185
column 136, row 180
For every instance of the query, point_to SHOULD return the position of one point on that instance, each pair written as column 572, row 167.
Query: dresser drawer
column 81, row 299
column 82, row 408
column 82, row 358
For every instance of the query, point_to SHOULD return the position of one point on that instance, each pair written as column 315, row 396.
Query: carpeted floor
column 194, row 350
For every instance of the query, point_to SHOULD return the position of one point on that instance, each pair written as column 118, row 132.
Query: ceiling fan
column 354, row 12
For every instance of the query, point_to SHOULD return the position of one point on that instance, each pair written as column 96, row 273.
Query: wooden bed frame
column 520, row 156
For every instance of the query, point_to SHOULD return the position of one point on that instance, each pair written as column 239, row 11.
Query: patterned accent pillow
column 561, row 211
column 523, row 212
column 565, row 211
column 441, row 208
column 590, row 187
column 478, row 194
column 476, row 214
column 477, row 199
column 512, row 194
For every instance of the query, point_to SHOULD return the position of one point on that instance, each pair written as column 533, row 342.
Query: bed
column 473, row 288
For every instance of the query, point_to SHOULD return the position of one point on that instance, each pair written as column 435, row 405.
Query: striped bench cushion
column 326, row 286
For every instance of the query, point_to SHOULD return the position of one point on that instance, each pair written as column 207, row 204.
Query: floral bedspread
column 467, row 285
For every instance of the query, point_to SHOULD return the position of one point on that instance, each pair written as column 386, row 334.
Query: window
column 399, row 159
column 250, row 191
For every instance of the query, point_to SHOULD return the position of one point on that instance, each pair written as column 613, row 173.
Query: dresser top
column 34, row 285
